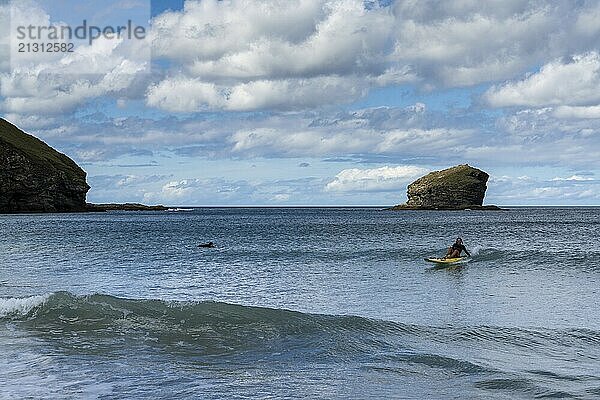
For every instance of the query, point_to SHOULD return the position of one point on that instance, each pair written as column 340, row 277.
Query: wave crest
column 206, row 328
column 212, row 328
column 15, row 307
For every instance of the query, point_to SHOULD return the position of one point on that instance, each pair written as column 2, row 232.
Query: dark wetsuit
column 460, row 247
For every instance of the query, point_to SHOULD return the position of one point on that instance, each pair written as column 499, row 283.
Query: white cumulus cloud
column 269, row 54
column 374, row 180
column 244, row 55
column 573, row 82
column 183, row 94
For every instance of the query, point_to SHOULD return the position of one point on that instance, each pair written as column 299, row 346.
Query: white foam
column 476, row 250
column 15, row 305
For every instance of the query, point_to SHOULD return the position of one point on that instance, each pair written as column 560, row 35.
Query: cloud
column 58, row 83
column 545, row 193
column 577, row 112
column 537, row 136
column 383, row 135
column 523, row 190
column 575, row 178
column 184, row 95
column 446, row 43
column 258, row 40
column 63, row 93
column 175, row 190
column 4, row 36
column 221, row 191
column 181, row 94
column 262, row 54
column 375, row 180
column 572, row 82
column 245, row 55
column 319, row 142
column 108, row 182
column 134, row 180
column 123, row 188
column 281, row 197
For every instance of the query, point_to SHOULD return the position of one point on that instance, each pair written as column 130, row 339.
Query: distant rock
column 456, row 188
column 124, row 207
column 36, row 178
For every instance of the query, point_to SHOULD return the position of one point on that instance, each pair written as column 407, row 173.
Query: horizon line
column 365, row 206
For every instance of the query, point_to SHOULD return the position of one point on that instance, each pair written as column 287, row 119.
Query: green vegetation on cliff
column 36, row 178
column 37, row 150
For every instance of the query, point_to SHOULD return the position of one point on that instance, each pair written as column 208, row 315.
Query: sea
column 300, row 303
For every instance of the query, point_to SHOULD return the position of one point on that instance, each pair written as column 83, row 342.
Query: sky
column 320, row 102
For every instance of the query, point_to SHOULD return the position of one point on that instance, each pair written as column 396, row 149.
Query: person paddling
column 209, row 245
column 457, row 248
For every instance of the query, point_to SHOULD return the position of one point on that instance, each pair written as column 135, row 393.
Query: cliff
column 456, row 188
column 36, row 178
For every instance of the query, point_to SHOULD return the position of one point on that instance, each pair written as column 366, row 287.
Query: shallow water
column 317, row 303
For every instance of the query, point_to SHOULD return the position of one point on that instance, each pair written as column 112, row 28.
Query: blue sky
column 322, row 102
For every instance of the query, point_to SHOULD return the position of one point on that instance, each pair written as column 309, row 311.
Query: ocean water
column 300, row 303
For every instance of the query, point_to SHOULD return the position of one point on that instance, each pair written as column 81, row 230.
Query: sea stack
column 36, row 178
column 456, row 188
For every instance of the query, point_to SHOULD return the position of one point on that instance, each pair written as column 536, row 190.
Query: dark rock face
column 36, row 178
column 455, row 188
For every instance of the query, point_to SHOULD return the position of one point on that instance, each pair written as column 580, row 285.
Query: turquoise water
column 300, row 303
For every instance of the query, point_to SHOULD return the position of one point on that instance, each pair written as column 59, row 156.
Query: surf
column 208, row 333
column 70, row 312
column 10, row 307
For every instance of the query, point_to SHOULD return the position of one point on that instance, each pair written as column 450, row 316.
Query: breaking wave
column 213, row 332
column 226, row 326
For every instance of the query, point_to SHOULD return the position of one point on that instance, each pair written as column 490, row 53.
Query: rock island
column 456, row 188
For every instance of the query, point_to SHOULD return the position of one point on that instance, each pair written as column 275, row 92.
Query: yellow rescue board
column 445, row 260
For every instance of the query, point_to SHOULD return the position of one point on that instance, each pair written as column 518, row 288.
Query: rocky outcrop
column 457, row 188
column 124, row 207
column 36, row 178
